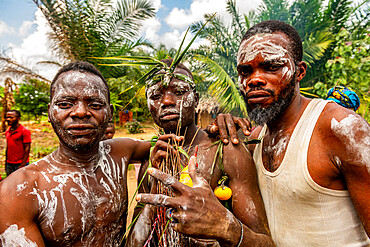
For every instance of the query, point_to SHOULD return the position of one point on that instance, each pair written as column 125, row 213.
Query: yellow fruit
column 223, row 193
column 185, row 177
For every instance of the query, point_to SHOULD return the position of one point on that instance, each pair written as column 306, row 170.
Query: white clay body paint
column 182, row 86
column 279, row 147
column 189, row 99
column 21, row 187
column 348, row 130
column 14, row 237
column 94, row 84
column 260, row 44
column 109, row 199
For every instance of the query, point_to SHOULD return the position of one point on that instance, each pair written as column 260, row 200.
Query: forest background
column 335, row 35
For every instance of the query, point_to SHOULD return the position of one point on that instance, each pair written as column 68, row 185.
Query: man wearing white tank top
column 313, row 161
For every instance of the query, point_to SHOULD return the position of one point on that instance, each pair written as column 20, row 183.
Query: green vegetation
column 134, row 127
column 39, row 151
column 32, row 98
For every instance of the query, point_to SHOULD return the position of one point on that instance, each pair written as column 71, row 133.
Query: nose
column 168, row 100
column 80, row 110
column 256, row 79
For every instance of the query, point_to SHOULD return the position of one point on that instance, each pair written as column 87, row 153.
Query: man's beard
column 262, row 115
column 67, row 141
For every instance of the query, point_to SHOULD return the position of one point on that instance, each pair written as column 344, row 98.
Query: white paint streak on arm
column 15, row 237
column 21, row 187
column 348, row 130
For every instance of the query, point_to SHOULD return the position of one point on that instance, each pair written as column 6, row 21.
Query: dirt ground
column 44, row 141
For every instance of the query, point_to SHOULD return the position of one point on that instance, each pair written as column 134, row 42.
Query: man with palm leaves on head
column 172, row 100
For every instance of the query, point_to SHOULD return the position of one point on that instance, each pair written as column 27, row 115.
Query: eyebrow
column 61, row 98
column 65, row 98
column 271, row 61
column 242, row 66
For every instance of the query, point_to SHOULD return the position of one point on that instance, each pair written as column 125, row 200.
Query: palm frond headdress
column 160, row 71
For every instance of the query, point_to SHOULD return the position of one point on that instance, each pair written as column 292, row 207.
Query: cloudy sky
column 23, row 28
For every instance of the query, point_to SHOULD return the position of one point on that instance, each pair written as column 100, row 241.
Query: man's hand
column 226, row 125
column 162, row 148
column 193, row 210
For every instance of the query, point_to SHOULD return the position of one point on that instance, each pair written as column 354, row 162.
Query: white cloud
column 5, row 29
column 25, row 28
column 34, row 47
column 157, row 4
column 181, row 18
column 150, row 29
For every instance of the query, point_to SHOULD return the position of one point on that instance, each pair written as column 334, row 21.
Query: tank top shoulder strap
column 307, row 123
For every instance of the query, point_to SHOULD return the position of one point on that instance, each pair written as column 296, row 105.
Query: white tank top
column 301, row 212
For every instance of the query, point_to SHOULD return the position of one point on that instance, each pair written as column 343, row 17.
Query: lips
column 169, row 115
column 80, row 129
column 258, row 97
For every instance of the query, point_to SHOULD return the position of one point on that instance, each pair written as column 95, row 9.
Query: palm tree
column 12, row 69
column 85, row 29
column 82, row 29
column 218, row 62
column 317, row 23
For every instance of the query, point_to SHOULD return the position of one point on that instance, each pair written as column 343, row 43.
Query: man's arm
column 18, row 221
column 26, row 154
column 350, row 147
column 247, row 203
column 26, row 135
column 143, row 217
column 137, row 150
column 6, row 154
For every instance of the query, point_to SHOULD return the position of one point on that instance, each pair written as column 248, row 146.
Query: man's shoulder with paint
column 333, row 113
column 15, row 190
column 26, row 173
column 345, row 134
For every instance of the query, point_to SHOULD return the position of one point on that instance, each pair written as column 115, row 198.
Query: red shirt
column 15, row 140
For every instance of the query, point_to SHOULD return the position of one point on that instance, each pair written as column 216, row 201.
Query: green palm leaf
column 179, row 56
column 223, row 87
column 315, row 45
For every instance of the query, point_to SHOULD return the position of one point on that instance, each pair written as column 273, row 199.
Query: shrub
column 134, row 127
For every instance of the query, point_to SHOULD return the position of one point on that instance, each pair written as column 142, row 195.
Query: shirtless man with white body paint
column 207, row 220
column 313, row 163
column 77, row 195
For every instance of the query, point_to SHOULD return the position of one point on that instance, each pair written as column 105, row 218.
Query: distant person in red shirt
column 18, row 140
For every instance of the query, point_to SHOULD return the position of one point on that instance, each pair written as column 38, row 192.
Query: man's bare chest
column 274, row 148
column 81, row 208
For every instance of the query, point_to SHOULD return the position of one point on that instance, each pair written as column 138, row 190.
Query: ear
column 196, row 94
column 111, row 112
column 49, row 112
column 302, row 67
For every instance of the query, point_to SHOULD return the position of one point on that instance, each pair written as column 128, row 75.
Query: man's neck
column 14, row 127
column 77, row 158
column 290, row 116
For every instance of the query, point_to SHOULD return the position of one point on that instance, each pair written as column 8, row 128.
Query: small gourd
column 185, row 177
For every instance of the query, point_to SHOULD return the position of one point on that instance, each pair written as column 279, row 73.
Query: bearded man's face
column 267, row 75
